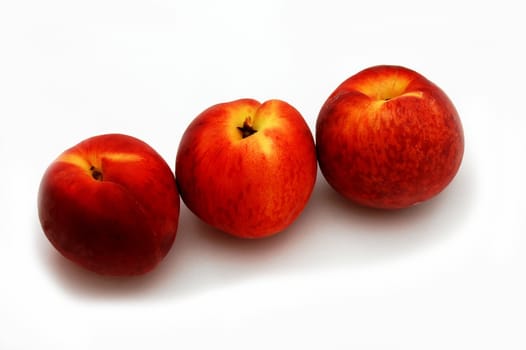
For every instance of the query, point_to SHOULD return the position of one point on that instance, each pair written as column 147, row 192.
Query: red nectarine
column 389, row 138
column 110, row 204
column 247, row 168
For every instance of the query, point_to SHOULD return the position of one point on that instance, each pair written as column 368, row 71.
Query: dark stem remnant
column 246, row 129
column 96, row 173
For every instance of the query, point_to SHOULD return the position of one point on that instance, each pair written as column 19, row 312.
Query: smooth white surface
column 449, row 274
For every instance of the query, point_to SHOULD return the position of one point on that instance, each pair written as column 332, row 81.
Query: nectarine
column 110, row 204
column 389, row 138
column 247, row 168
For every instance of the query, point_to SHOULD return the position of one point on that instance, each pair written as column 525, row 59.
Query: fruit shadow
column 359, row 237
column 332, row 233
column 202, row 259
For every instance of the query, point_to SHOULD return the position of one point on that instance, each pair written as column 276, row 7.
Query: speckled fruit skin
column 389, row 138
column 253, row 186
column 110, row 204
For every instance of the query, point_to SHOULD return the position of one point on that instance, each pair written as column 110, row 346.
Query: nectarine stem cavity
column 96, row 173
column 247, row 129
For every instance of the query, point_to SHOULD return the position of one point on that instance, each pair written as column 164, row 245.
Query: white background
column 448, row 274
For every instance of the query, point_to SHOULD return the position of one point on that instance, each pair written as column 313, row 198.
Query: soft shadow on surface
column 78, row 281
column 361, row 235
column 201, row 260
column 331, row 233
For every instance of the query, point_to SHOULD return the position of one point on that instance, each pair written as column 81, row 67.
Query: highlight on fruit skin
column 247, row 168
column 389, row 138
column 110, row 204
